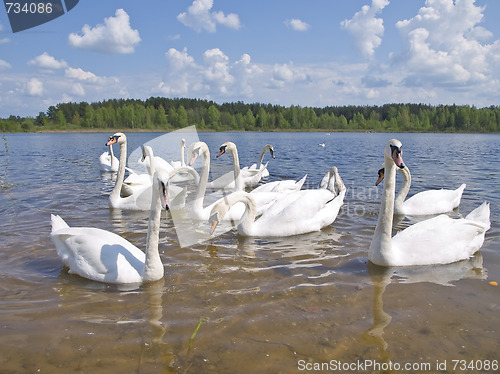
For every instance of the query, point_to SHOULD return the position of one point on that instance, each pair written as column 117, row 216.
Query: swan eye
column 395, row 148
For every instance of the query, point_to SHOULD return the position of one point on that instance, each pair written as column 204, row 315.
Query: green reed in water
column 4, row 179
column 193, row 335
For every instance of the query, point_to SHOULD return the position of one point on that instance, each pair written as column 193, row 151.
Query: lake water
column 280, row 305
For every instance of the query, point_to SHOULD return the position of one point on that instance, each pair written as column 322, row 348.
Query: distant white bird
column 321, row 144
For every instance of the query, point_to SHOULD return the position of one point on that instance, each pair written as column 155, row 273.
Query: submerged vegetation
column 157, row 113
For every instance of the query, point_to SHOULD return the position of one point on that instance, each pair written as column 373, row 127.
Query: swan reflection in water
column 381, row 277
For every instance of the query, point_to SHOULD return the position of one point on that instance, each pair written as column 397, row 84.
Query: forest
column 166, row 114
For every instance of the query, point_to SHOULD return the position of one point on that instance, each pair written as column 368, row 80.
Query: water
column 275, row 305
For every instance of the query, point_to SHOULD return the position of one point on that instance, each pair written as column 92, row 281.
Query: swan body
column 108, row 161
column 295, row 213
column 439, row 240
column 259, row 166
column 104, row 256
column 425, row 202
column 238, row 179
column 283, row 186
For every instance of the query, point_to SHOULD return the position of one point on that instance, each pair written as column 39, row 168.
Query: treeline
column 157, row 113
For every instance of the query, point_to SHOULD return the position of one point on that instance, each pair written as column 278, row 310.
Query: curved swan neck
column 238, row 183
column 202, row 186
column 112, row 156
column 381, row 244
column 403, row 192
column 248, row 218
column 149, row 153
column 153, row 267
column 261, row 157
column 183, row 146
column 115, row 193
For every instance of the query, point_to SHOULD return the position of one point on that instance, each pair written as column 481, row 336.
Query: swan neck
column 381, row 245
column 247, row 220
column 121, row 172
column 405, row 188
column 238, row 183
column 153, row 267
column 183, row 162
column 112, row 156
column 261, row 157
column 202, row 186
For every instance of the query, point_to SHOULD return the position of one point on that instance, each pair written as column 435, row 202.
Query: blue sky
column 307, row 53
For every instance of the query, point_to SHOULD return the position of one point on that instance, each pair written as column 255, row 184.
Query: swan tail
column 301, row 182
column 481, row 215
column 58, row 223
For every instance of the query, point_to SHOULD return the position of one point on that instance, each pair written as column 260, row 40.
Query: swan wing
column 439, row 240
column 98, row 254
column 433, row 201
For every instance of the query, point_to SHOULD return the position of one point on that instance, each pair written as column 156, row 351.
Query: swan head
column 183, row 143
column 381, row 174
column 146, row 151
column 214, row 221
column 394, row 152
column 119, row 138
column 161, row 178
column 195, row 150
column 271, row 150
column 226, row 147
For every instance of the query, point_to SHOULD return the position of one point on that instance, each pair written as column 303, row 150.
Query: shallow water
column 273, row 305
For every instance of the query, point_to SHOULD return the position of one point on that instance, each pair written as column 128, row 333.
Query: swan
column 182, row 162
column 140, row 199
column 108, row 161
column 439, row 240
column 259, row 165
column 238, row 179
column 283, row 186
column 263, row 200
column 426, row 202
column 104, row 256
column 332, row 181
column 291, row 214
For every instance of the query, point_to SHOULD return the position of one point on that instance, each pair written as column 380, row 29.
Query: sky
column 284, row 52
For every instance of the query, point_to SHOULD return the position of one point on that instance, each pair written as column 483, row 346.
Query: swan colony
column 280, row 208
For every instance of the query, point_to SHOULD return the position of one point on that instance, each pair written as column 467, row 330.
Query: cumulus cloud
column 47, row 62
column 297, row 24
column 215, row 75
column 443, row 45
column 114, row 37
column 199, row 17
column 365, row 29
column 4, row 65
column 34, row 87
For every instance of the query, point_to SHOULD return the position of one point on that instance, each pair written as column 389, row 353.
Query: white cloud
column 443, row 45
column 79, row 74
column 46, row 61
column 216, row 74
column 297, row 24
column 4, row 65
column 4, row 40
column 365, row 29
column 199, row 18
column 34, row 87
column 114, row 37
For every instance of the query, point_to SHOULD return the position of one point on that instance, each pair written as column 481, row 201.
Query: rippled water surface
column 267, row 305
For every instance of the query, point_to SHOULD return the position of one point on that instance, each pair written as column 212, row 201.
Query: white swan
column 425, row 202
column 439, row 240
column 103, row 256
column 283, row 186
column 291, row 214
column 238, row 179
column 182, row 162
column 198, row 211
column 140, row 199
column 259, row 165
column 332, row 181
column 108, row 161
